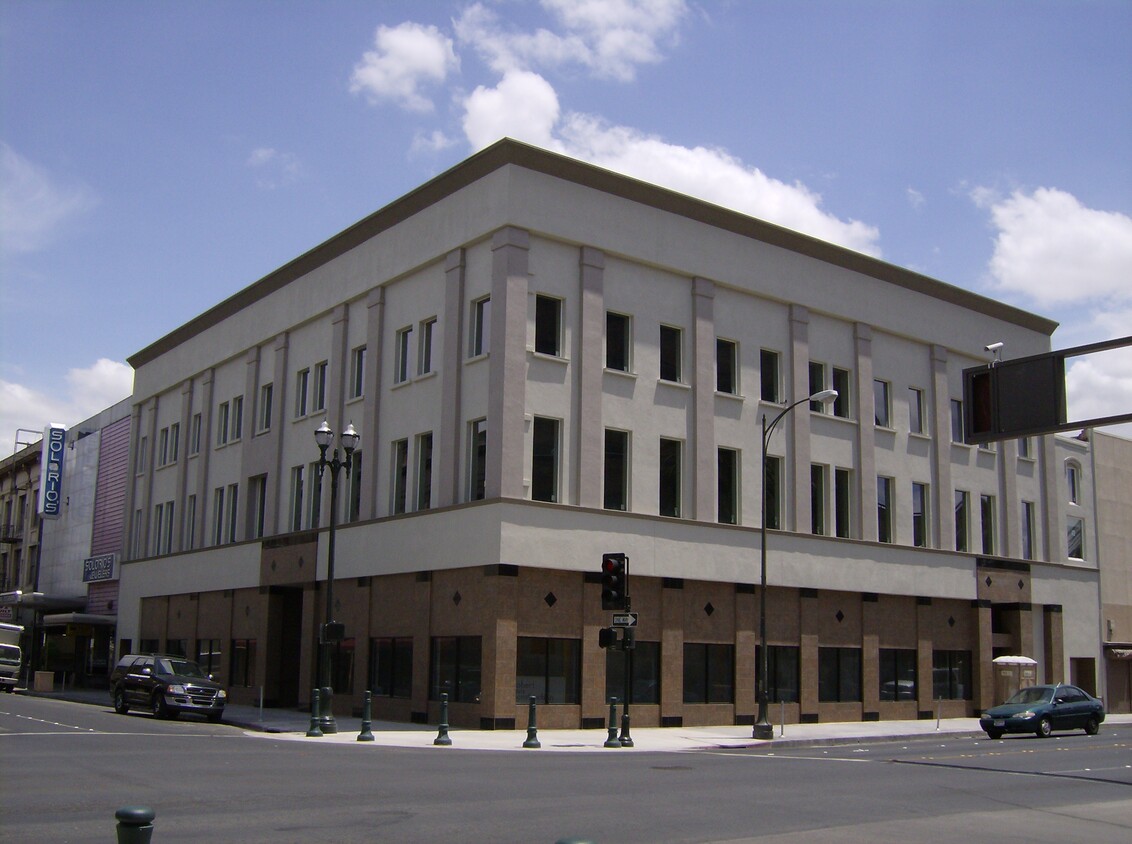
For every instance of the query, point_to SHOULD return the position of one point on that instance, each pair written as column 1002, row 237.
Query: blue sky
column 158, row 157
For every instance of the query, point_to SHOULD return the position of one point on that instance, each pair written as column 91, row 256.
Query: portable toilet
column 1012, row 673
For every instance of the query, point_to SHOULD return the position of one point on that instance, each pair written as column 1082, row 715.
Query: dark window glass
column 617, row 342
column 772, row 496
column 391, row 671
column 616, row 490
column 544, row 460
column 884, row 510
column 669, row 353
column 242, row 668
column 727, row 478
column 726, row 366
column 817, row 384
column 843, row 518
column 951, row 675
column 548, row 315
column 841, row 379
column 819, row 483
column 454, row 668
column 839, row 674
column 646, row 673
column 709, row 673
column 768, row 375
column 781, row 672
column 897, row 674
column 670, row 477
column 549, row 669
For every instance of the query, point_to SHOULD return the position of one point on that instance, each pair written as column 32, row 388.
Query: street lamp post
column 763, row 728
column 331, row 631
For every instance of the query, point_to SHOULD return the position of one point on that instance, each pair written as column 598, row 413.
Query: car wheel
column 120, row 705
column 1092, row 726
column 1044, row 728
column 994, row 734
column 160, row 710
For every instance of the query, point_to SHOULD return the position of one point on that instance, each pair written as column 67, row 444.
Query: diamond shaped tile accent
column 550, row 599
column 989, row 581
column 708, row 608
column 840, row 616
column 1021, row 584
column 457, row 598
column 951, row 621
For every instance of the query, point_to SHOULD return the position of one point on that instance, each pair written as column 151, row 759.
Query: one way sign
column 624, row 619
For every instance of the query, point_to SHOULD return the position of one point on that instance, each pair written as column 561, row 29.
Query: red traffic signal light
column 614, row 581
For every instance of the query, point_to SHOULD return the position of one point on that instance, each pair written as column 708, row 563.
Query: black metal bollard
column 367, row 708
column 626, row 739
column 135, row 824
column 442, row 737
column 532, row 726
column 313, row 730
column 612, row 740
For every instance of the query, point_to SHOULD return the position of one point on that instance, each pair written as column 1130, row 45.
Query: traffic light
column 614, row 581
column 607, row 637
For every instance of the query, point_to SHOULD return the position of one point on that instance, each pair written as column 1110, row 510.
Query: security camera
column 994, row 347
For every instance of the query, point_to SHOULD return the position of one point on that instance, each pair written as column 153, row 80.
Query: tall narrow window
column 428, row 334
column 819, row 496
column 1073, row 482
column 477, row 464
column 158, row 524
column 257, row 506
column 726, row 366
column 709, row 673
column 143, row 450
column 222, row 415
column 230, row 520
column 915, row 410
column 400, row 475
column 174, row 441
column 266, row 398
column 839, row 674
column 884, row 509
column 618, row 335
column 920, row 535
column 358, row 372
column 882, row 407
column 404, row 355
column 424, row 471
column 548, row 325
column 772, row 493
column 670, row 353
column 1025, row 447
column 191, row 522
column 218, row 516
column 544, row 459
column 194, row 434
column 237, row 417
column 769, row 368
column 616, row 470
column 354, row 503
column 989, row 522
column 302, row 387
column 1075, row 538
column 670, row 476
column 962, row 520
column 481, row 327
column 843, row 493
column 841, row 404
column 314, row 508
column 817, row 384
column 162, row 447
column 1027, row 530
column 318, row 399
column 957, row 421
column 727, row 481
column 296, row 520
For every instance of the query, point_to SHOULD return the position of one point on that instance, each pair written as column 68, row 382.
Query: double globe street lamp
column 332, row 632
column 763, row 728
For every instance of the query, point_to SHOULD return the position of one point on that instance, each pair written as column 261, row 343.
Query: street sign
column 625, row 619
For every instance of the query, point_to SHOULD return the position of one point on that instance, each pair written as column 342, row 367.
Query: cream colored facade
column 430, row 555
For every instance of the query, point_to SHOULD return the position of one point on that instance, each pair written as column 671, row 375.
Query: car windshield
column 1034, row 694
column 182, row 667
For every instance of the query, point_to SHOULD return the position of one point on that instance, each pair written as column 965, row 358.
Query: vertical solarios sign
column 51, row 475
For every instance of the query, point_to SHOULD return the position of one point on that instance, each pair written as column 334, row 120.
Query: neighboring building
column 81, row 550
column 547, row 361
column 1112, row 473
column 19, row 532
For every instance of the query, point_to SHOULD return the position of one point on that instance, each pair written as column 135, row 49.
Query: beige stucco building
column 547, row 361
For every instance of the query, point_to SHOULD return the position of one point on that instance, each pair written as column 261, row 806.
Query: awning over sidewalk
column 62, row 618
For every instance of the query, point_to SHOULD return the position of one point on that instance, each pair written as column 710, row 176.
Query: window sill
column 679, row 385
column 737, row 397
column 477, row 358
column 620, row 373
column 531, row 353
column 919, row 435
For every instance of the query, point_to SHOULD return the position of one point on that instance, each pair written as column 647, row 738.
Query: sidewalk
column 292, row 725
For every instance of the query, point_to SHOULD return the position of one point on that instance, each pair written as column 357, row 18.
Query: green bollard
column 135, row 824
column 313, row 730
column 367, row 708
column 612, row 741
column 626, row 739
column 532, row 726
column 442, row 738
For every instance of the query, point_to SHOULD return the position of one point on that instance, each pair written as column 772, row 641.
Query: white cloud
column 405, row 57
column 274, row 169
column 88, row 391
column 430, row 142
column 522, row 106
column 915, row 198
column 33, row 205
column 611, row 38
column 1055, row 251
column 1099, row 385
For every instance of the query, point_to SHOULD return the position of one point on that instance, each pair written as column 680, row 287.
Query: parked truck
column 9, row 655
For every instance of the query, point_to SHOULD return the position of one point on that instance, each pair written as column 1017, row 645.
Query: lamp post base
column 326, row 721
column 763, row 731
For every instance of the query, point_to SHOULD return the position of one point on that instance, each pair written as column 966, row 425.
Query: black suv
column 166, row 686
